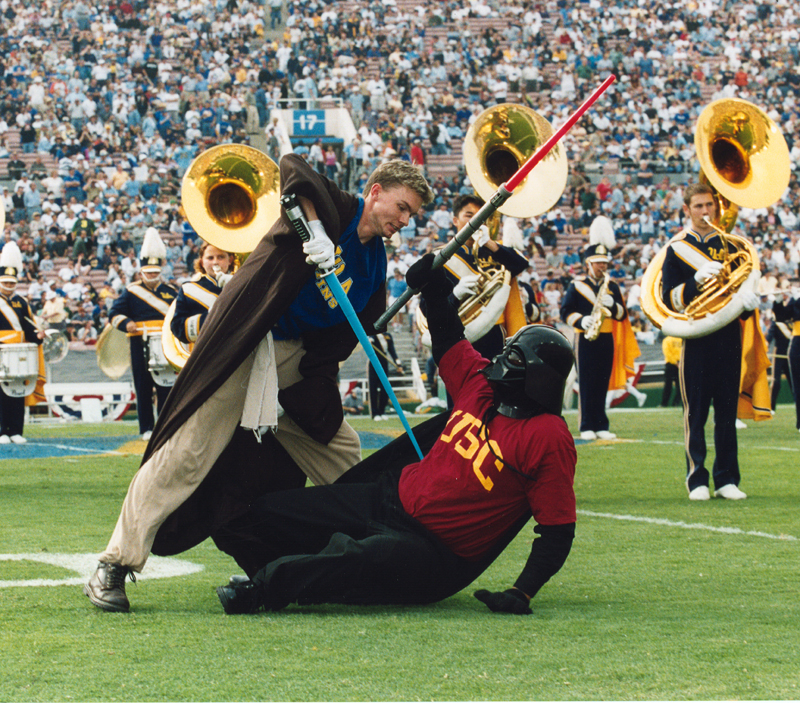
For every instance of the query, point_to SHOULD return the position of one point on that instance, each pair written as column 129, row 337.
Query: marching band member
column 781, row 333
column 791, row 311
column 213, row 269
column 383, row 344
column 144, row 304
column 711, row 366
column 463, row 271
column 267, row 358
column 16, row 326
column 597, row 370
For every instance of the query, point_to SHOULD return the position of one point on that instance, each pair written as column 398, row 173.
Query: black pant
column 12, row 414
column 351, row 542
column 794, row 370
column 143, row 384
column 595, row 360
column 378, row 397
column 780, row 367
column 710, row 370
column 670, row 379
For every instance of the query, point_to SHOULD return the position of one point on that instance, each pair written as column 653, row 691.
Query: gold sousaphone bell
column 498, row 143
column 231, row 196
column 744, row 157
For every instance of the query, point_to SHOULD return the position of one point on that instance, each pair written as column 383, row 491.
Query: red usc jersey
column 465, row 495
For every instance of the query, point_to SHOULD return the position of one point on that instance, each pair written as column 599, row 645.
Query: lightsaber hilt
column 291, row 206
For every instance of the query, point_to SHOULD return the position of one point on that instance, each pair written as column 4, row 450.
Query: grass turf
column 653, row 603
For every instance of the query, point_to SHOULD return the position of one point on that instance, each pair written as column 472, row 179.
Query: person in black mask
column 426, row 530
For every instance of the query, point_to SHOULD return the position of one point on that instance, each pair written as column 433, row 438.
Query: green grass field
column 660, row 599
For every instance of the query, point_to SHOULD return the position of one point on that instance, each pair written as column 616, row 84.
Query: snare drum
column 19, row 368
column 160, row 369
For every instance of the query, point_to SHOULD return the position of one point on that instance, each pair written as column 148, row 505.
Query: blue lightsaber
column 298, row 219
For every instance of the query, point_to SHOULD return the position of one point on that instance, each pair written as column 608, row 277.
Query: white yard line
column 85, row 564
column 688, row 525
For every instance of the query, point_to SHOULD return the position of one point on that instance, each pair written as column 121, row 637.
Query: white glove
column 796, row 292
column 223, row 278
column 770, row 298
column 586, row 322
column 319, row 249
column 466, row 286
column 607, row 301
column 749, row 300
column 707, row 270
column 481, row 236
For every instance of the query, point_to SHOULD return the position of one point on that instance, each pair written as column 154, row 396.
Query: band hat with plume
column 153, row 251
column 10, row 263
column 601, row 240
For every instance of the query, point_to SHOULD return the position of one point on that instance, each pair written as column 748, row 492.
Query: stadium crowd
column 103, row 107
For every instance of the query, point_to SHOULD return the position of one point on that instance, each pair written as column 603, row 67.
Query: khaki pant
column 176, row 469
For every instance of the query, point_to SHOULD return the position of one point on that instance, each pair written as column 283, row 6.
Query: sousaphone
column 744, row 157
column 231, row 197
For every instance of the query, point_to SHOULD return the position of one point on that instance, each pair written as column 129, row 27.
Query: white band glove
column 319, row 250
column 586, row 322
column 223, row 278
column 749, row 300
column 707, row 270
column 466, row 286
column 607, row 301
column 796, row 293
column 481, row 236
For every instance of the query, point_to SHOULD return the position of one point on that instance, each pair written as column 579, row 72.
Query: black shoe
column 106, row 588
column 239, row 599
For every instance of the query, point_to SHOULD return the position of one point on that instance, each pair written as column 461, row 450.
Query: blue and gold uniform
column 194, row 300
column 791, row 313
column 710, row 367
column 595, row 358
column 147, row 308
column 15, row 328
column 464, row 263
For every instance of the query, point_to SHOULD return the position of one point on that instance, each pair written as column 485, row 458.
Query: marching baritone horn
column 744, row 157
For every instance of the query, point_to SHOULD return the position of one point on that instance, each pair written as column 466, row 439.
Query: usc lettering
column 460, row 431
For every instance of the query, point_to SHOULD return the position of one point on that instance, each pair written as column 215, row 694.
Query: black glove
column 431, row 283
column 511, row 601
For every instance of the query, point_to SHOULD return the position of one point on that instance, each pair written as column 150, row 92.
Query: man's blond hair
column 401, row 173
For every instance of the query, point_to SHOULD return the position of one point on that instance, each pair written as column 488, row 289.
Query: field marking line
column 85, row 564
column 688, row 525
column 674, row 442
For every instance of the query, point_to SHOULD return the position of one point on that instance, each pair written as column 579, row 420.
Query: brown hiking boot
column 106, row 588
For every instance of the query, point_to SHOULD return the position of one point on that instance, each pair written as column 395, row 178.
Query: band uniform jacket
column 194, row 300
column 580, row 298
column 16, row 316
column 140, row 304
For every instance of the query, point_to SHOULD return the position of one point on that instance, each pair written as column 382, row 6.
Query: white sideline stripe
column 622, row 440
column 689, row 525
column 70, row 448
column 85, row 564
